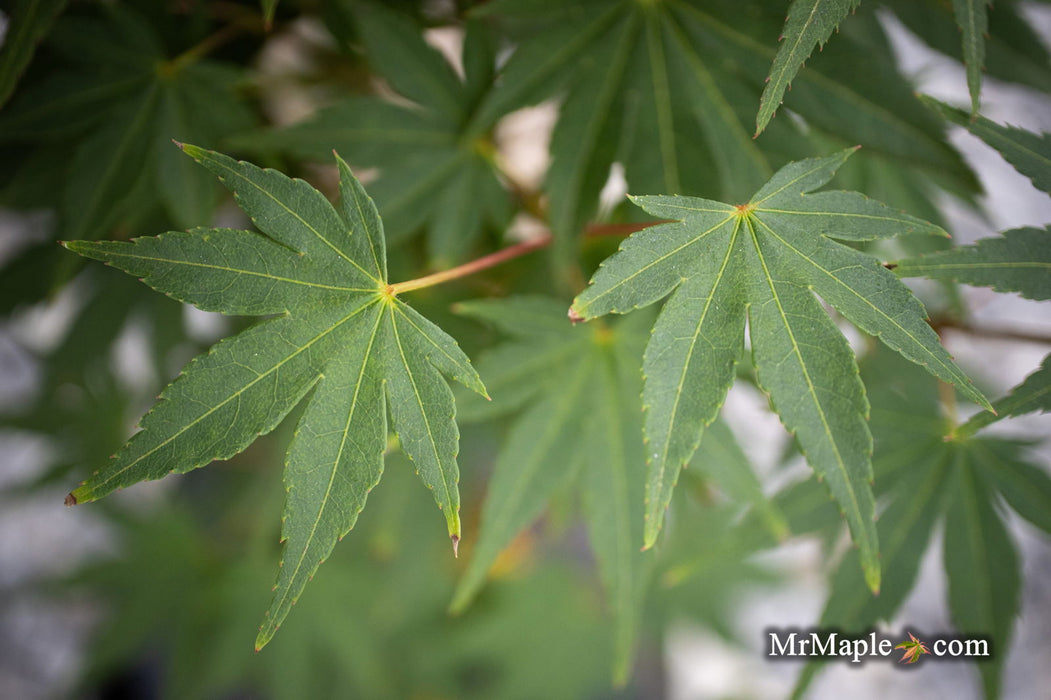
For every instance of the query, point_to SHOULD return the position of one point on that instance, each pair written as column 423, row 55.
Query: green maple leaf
column 269, row 8
column 765, row 260
column 1033, row 394
column 928, row 473
column 972, row 16
column 809, row 22
column 340, row 335
column 116, row 103
column 30, row 21
column 675, row 70
column 1018, row 260
column 580, row 424
column 1014, row 50
column 1029, row 153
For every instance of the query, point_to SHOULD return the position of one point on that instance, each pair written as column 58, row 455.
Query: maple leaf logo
column 913, row 650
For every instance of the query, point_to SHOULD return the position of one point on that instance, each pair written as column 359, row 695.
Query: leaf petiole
column 510, row 253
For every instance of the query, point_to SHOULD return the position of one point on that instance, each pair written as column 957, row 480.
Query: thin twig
column 990, row 333
column 472, row 267
column 510, row 253
column 205, row 46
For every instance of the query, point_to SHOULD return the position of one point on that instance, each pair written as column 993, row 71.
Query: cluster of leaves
column 667, row 89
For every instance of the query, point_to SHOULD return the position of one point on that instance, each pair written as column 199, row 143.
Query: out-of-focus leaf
column 1014, row 50
column 930, row 474
column 1017, row 261
column 1033, row 394
column 849, row 90
column 973, row 20
column 585, row 417
column 1025, row 486
column 1029, row 153
column 269, row 7
column 628, row 70
column 982, row 566
column 29, row 21
column 187, row 588
column 434, row 173
column 117, row 102
column 720, row 457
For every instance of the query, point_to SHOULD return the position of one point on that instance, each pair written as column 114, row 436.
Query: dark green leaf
column 634, row 70
column 809, row 23
column 583, row 417
column 768, row 256
column 1029, row 153
column 29, row 21
column 1033, row 394
column 972, row 18
column 341, row 333
column 1018, row 261
column 434, row 171
column 983, row 570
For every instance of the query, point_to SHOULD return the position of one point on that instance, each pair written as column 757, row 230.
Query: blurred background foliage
column 91, row 95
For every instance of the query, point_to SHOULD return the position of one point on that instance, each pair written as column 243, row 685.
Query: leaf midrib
column 423, row 413
column 978, row 546
column 663, row 463
column 304, row 283
column 806, row 375
column 799, row 212
column 663, row 103
column 335, row 464
column 778, row 84
column 661, row 259
column 237, row 394
column 951, row 370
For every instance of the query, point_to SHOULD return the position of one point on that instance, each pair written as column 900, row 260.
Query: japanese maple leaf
column 913, row 650
column 764, row 261
column 340, row 334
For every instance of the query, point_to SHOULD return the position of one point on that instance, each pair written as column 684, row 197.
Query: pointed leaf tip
column 872, row 579
column 456, row 545
column 70, row 500
column 574, row 317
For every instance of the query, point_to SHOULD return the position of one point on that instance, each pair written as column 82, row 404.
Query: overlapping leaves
column 578, row 391
column 1018, row 260
column 925, row 478
column 187, row 588
column 91, row 138
column 30, row 21
column 339, row 334
column 434, row 173
column 688, row 75
column 1029, row 153
column 130, row 98
column 765, row 260
column 1013, row 50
